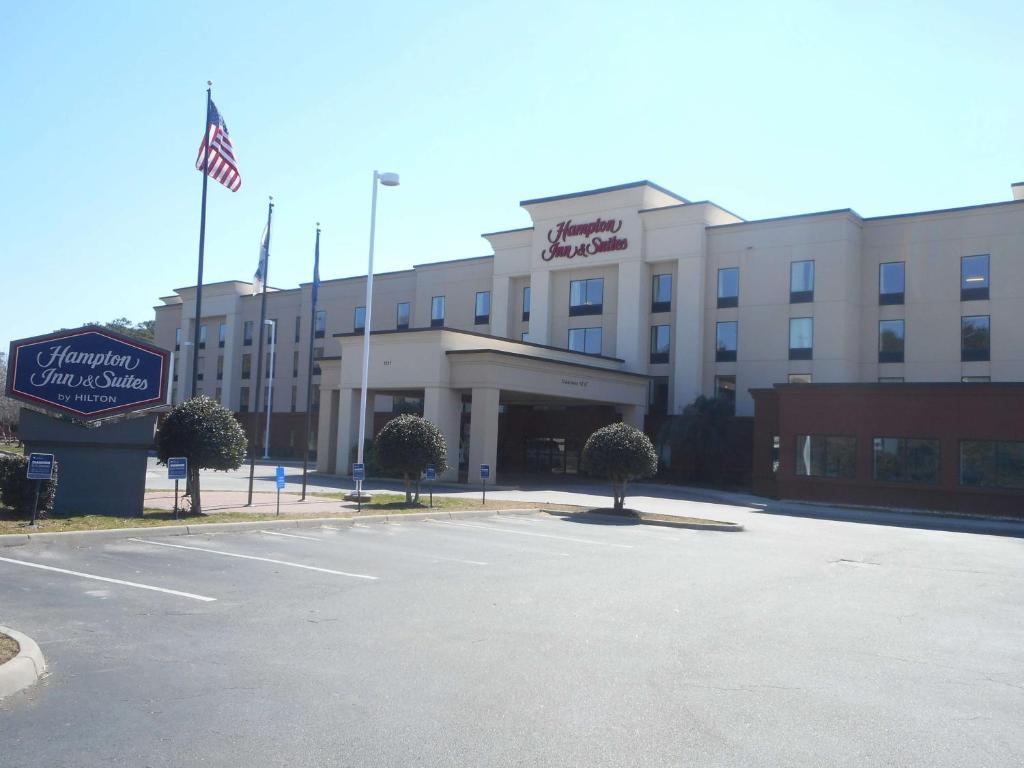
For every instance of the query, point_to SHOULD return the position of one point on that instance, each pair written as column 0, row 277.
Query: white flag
column 261, row 269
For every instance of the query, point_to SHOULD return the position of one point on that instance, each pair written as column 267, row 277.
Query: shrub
column 406, row 445
column 619, row 453
column 19, row 493
column 699, row 438
column 207, row 434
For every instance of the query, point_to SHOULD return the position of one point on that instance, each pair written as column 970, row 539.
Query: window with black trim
column 974, row 277
column 246, row 365
column 318, row 353
column 247, row 333
column 890, row 341
column 891, row 282
column 975, row 338
column 295, row 364
column 905, row 460
column 801, row 282
column 992, row 463
column 298, row 328
column 725, row 341
column 725, row 389
column 200, row 364
column 359, row 319
column 177, row 339
column 526, row 303
column 222, row 335
column 586, row 340
column 801, row 338
column 660, row 342
column 220, row 367
column 320, row 324
column 728, row 287
column 657, row 396
column 437, row 312
column 586, row 297
column 243, row 400
column 402, row 315
column 661, row 293
column 202, row 337
column 832, row 456
column 482, row 308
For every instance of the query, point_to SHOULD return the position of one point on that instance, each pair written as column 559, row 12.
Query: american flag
column 223, row 167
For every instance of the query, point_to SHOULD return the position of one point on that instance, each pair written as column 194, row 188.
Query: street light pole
column 270, row 385
column 388, row 180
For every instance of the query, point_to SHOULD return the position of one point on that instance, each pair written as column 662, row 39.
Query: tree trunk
column 408, row 489
column 416, row 498
column 617, row 495
column 197, row 505
column 622, row 495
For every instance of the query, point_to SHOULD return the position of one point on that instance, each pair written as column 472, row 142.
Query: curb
column 20, row 539
column 25, row 668
column 653, row 518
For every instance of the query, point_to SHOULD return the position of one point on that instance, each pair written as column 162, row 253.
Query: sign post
column 279, row 476
column 431, row 477
column 359, row 474
column 40, row 467
column 485, row 472
column 177, row 469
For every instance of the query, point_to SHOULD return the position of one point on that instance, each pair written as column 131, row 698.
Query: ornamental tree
column 619, row 453
column 406, row 445
column 207, row 434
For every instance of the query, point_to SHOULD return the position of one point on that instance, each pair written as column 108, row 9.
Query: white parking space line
column 538, row 535
column 136, row 585
column 291, row 535
column 260, row 559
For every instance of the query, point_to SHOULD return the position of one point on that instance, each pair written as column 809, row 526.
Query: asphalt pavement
column 534, row 641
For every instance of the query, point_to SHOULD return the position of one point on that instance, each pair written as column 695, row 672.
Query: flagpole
column 309, row 371
column 259, row 358
column 202, row 243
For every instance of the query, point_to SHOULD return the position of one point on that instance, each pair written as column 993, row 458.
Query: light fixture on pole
column 387, row 180
column 270, row 385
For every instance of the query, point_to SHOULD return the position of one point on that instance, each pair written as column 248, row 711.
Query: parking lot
column 522, row 640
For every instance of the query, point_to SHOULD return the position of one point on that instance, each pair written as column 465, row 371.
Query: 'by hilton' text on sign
column 600, row 235
column 87, row 372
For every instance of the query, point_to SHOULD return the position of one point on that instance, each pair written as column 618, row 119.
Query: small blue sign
column 358, row 472
column 87, row 372
column 431, row 472
column 485, row 471
column 279, row 475
column 177, row 468
column 40, row 466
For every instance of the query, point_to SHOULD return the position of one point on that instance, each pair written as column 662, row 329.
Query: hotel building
column 622, row 303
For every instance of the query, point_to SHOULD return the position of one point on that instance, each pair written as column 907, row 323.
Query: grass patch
column 8, row 648
column 17, row 450
column 395, row 503
column 150, row 518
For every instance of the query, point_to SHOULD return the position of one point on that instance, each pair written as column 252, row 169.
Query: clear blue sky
column 766, row 108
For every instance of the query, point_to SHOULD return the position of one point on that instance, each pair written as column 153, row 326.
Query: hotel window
column 295, row 364
column 247, row 333
column 890, row 379
column 200, row 364
column 974, row 338
column 586, row 297
column 437, row 312
column 524, row 335
column 318, row 352
column 402, row 315
column 801, row 338
column 482, row 308
column 314, row 404
column 359, row 319
column 586, row 340
column 222, row 335
column 801, row 282
column 660, row 340
column 320, row 324
column 728, row 287
column 298, row 329
column 891, row 282
column 657, row 396
column 725, row 342
column 220, row 367
column 826, row 456
column 295, row 397
column 243, row 400
column 906, row 460
column 974, row 277
column 218, row 393
column 202, row 337
column 246, row 366
column 526, row 303
column 992, row 463
column 725, row 389
column 975, row 379
column 890, row 341
column 799, row 378
column 661, row 293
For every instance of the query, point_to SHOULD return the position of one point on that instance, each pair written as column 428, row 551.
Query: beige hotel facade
column 622, row 303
